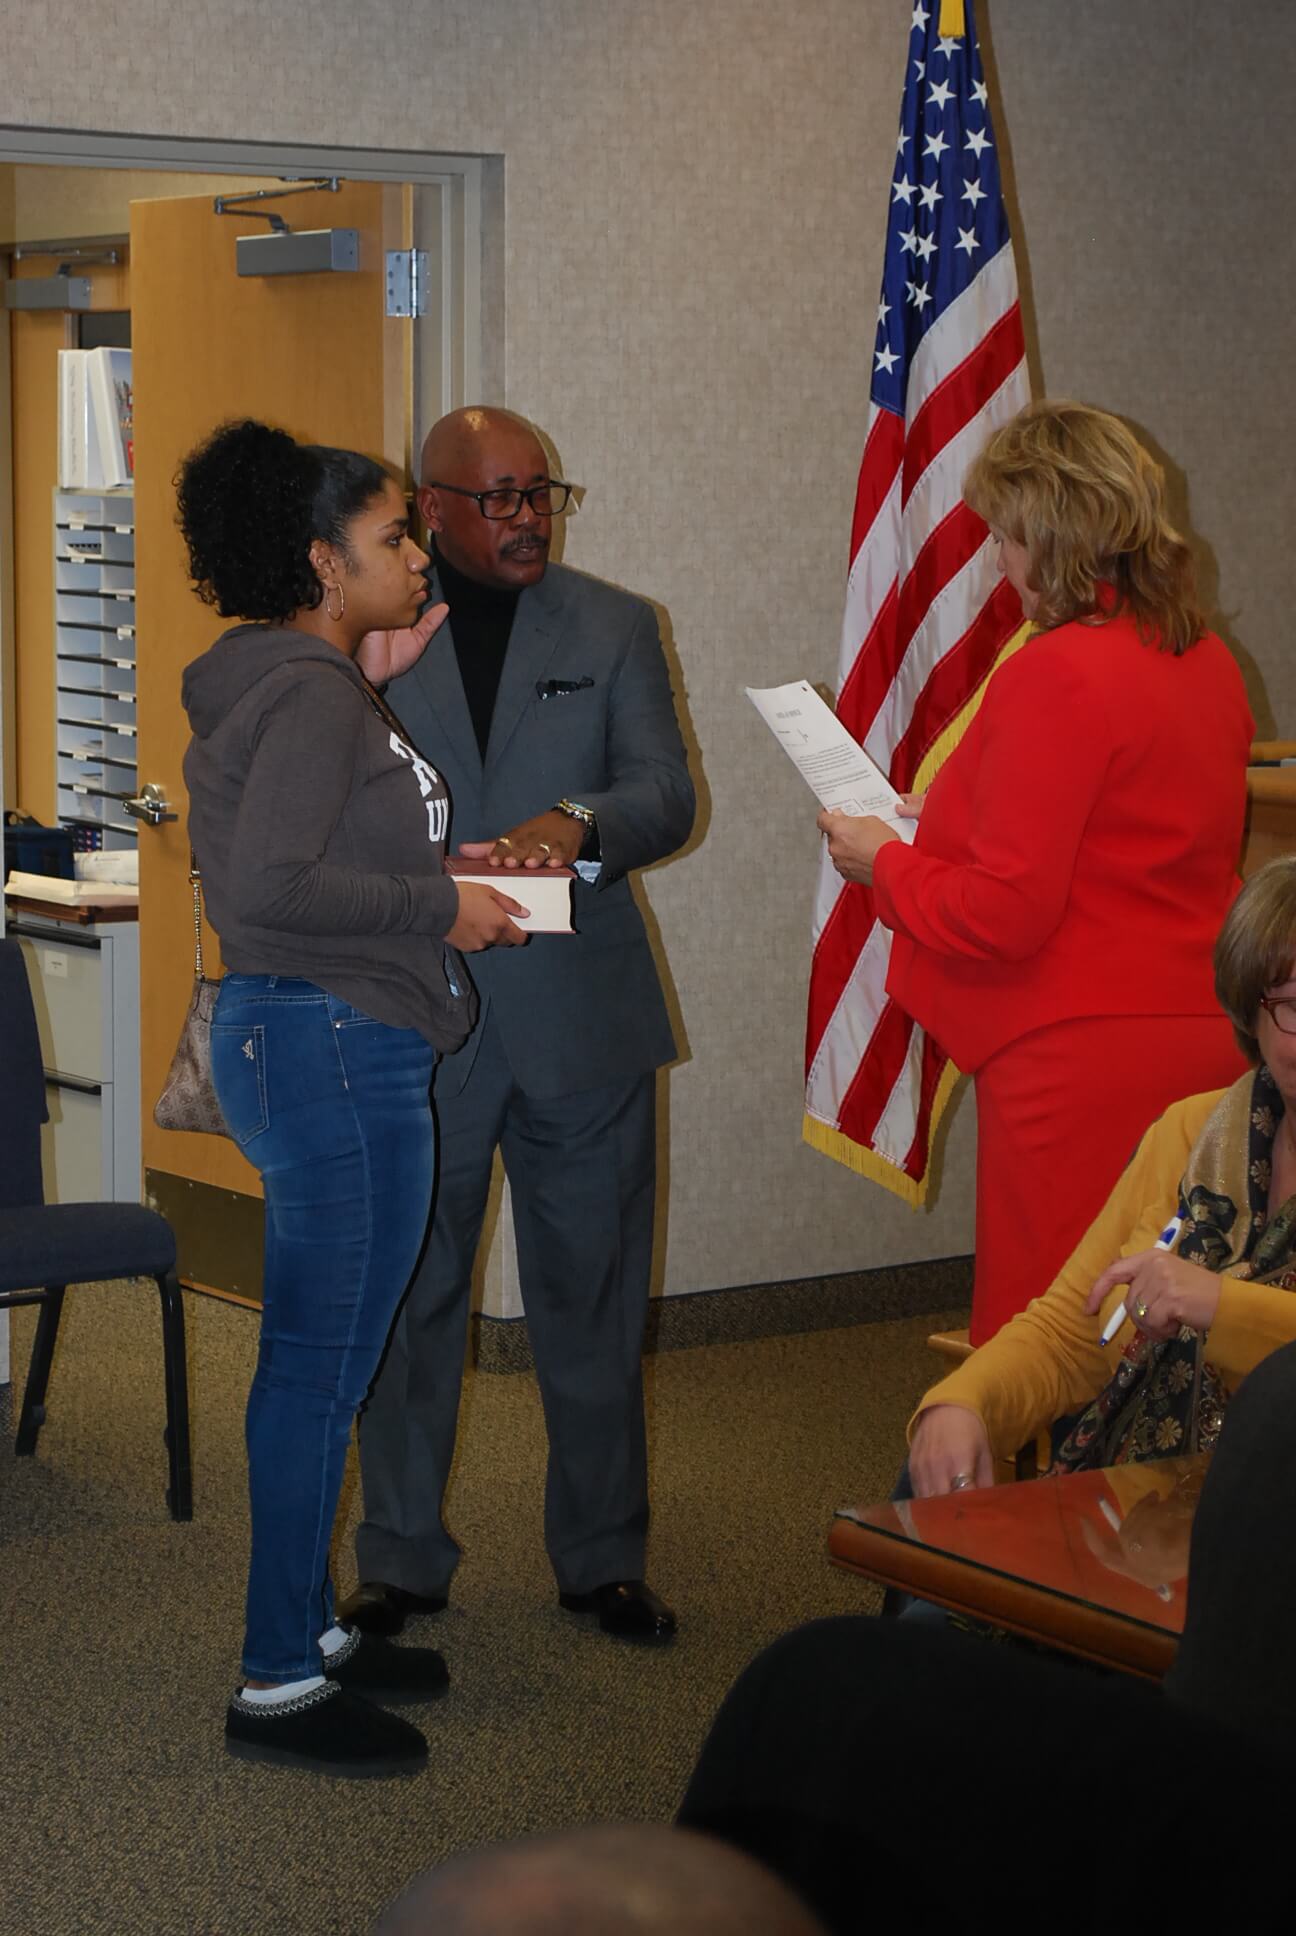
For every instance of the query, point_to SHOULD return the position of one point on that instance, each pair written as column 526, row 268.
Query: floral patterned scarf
column 1164, row 1396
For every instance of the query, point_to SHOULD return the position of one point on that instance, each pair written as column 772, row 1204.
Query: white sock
column 335, row 1638
column 271, row 1696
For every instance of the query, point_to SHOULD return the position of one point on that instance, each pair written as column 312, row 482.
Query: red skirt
column 1059, row 1114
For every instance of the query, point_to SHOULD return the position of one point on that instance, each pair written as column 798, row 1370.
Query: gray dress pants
column 581, row 1172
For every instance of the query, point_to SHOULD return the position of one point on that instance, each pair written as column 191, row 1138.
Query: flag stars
column 902, row 142
column 940, row 93
column 981, row 93
column 978, row 140
column 884, row 310
column 903, row 191
column 947, row 45
column 927, row 247
column 908, row 240
column 920, row 18
column 935, row 146
column 967, row 242
column 920, row 68
column 886, row 361
column 930, row 195
column 918, row 296
column 973, row 192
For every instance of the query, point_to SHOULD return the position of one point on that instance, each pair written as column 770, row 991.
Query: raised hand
column 383, row 656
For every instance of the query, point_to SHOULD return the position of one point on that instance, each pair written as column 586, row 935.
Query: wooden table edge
column 1033, row 1612
column 81, row 914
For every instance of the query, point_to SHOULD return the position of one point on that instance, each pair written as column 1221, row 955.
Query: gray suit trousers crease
column 581, row 1171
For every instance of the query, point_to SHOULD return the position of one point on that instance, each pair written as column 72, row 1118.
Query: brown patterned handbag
column 188, row 1099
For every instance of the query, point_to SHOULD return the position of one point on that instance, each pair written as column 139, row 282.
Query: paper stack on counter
column 50, row 887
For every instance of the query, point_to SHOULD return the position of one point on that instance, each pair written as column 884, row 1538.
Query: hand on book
column 383, row 656
column 551, row 839
column 483, row 920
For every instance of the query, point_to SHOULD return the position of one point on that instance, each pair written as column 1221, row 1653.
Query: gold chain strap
column 195, row 882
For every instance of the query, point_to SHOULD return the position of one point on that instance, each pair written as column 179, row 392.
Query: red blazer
column 1078, row 851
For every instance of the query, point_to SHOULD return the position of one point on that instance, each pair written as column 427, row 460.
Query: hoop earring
column 335, row 616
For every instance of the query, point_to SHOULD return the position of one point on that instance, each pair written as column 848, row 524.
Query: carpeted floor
column 122, row 1812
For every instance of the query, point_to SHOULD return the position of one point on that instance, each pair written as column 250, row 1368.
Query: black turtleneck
column 481, row 619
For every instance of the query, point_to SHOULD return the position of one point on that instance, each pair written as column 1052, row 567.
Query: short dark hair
column 1256, row 949
column 252, row 501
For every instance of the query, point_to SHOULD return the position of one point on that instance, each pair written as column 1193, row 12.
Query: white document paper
column 837, row 770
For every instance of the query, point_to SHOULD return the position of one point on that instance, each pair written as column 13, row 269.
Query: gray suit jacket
column 574, row 1011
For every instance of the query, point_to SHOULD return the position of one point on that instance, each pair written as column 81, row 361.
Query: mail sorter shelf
column 94, row 652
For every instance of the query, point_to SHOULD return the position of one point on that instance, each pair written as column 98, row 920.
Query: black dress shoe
column 329, row 1730
column 627, row 1609
column 370, row 1665
column 377, row 1608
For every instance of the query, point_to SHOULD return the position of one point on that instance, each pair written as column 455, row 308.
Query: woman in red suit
column 1076, row 854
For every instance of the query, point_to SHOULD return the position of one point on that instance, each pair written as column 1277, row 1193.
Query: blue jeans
column 332, row 1108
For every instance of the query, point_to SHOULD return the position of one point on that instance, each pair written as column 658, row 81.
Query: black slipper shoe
column 369, row 1665
column 329, row 1730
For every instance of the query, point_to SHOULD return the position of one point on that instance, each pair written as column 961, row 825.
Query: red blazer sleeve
column 1045, row 743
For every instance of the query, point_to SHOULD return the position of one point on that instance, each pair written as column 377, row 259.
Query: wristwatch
column 575, row 811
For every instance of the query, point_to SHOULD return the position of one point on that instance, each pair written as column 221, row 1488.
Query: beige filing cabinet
column 85, row 984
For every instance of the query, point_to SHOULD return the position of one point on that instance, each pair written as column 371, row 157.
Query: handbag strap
column 195, row 882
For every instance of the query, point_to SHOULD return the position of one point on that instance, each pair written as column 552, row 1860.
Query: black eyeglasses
column 1282, row 1011
column 547, row 500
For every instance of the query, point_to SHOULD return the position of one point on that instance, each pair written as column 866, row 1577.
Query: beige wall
column 695, row 197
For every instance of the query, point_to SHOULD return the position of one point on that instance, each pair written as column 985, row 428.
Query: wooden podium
column 1271, row 805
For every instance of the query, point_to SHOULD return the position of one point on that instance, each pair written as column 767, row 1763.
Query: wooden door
column 317, row 355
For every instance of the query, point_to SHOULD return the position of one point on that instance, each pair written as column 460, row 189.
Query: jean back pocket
column 239, row 1073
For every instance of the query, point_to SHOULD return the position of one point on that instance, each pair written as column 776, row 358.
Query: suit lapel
column 536, row 629
column 438, row 687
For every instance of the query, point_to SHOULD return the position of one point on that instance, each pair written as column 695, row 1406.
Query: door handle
column 151, row 805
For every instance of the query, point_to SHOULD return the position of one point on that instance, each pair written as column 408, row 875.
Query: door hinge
column 407, row 275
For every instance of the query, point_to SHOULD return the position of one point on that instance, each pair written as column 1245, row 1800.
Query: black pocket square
column 559, row 688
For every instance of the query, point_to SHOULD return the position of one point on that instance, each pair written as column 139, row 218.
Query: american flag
column 927, row 614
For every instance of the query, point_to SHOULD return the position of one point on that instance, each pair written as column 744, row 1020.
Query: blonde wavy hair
column 1079, row 492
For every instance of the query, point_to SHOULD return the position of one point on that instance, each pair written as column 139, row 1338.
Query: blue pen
column 1166, row 1241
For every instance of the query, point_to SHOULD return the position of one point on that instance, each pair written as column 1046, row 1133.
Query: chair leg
column 32, row 1416
column 180, row 1489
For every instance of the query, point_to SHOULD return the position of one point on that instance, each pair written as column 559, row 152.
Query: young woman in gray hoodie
column 320, row 836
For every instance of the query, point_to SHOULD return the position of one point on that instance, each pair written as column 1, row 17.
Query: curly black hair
column 251, row 503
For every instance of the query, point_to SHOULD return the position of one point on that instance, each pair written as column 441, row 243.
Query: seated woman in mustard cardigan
column 1201, row 1314
column 1053, row 920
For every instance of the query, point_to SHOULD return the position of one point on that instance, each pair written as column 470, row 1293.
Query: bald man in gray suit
column 545, row 703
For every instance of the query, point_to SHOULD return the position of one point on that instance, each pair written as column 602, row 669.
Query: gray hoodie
column 320, row 833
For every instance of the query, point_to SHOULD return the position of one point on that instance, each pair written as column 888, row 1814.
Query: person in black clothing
column 874, row 1764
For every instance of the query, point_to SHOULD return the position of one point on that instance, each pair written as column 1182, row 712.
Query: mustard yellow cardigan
column 1047, row 1361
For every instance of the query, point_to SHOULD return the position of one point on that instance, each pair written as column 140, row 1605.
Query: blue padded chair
column 45, row 1247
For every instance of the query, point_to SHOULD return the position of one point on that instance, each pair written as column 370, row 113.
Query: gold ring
column 503, row 841
column 545, row 845
column 960, row 1481
column 1140, row 1309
